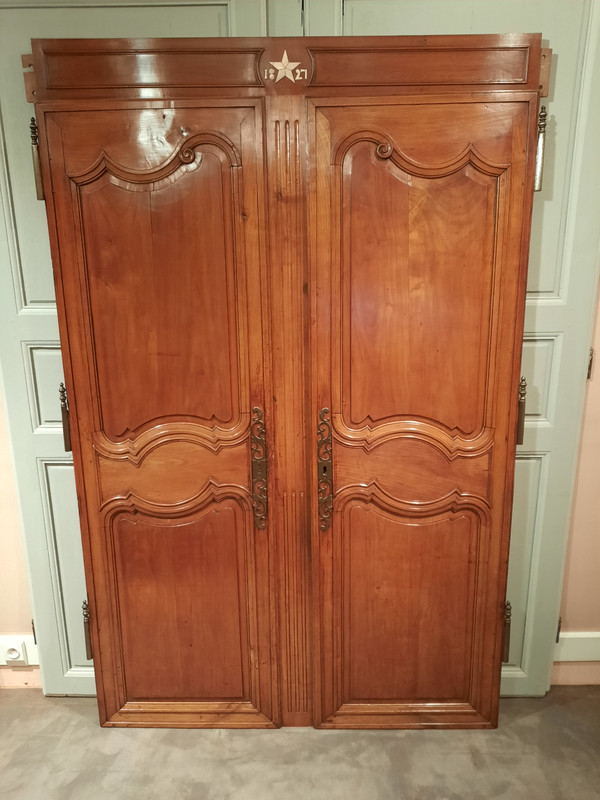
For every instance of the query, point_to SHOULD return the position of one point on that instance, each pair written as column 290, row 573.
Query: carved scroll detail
column 386, row 149
column 325, row 470
column 186, row 155
column 258, row 448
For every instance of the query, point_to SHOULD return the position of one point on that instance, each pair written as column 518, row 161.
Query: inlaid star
column 284, row 68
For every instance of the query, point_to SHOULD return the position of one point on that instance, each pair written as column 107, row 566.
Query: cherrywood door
column 158, row 211
column 315, row 249
column 418, row 296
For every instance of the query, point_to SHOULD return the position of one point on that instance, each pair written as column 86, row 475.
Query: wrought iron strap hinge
column 35, row 154
column 258, row 450
column 325, row 470
column 86, row 630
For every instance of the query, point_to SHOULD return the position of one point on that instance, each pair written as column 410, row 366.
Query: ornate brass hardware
column 325, row 470
column 86, row 630
column 541, row 145
column 35, row 154
column 258, row 448
column 64, row 412
column 521, row 416
column 506, row 634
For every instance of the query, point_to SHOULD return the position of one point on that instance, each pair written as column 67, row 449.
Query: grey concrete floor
column 544, row 749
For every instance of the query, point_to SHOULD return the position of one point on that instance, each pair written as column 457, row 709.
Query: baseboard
column 575, row 673
column 20, row 678
column 578, row 646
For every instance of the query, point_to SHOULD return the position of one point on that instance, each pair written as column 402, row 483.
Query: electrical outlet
column 18, row 650
column 16, row 655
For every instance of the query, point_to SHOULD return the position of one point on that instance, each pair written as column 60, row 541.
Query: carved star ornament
column 284, row 68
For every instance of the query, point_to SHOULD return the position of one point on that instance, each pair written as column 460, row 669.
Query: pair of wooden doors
column 290, row 279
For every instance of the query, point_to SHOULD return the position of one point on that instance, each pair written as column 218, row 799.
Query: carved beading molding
column 453, row 502
column 450, row 443
column 137, row 448
column 211, row 492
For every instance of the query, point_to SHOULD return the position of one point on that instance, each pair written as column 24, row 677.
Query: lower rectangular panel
column 189, row 715
column 182, row 607
column 191, row 615
column 401, row 615
column 407, row 715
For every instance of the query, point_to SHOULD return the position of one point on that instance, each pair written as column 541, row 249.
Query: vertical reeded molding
column 290, row 513
column 296, row 685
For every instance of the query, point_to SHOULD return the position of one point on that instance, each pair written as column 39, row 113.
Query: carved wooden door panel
column 417, row 307
column 158, row 215
column 317, row 250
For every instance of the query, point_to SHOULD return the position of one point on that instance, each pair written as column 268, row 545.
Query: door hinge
column 590, row 363
column 506, row 632
column 521, row 413
column 33, row 631
column 66, row 420
column 541, row 145
column 35, row 154
column 86, row 630
column 343, row 7
column 558, row 627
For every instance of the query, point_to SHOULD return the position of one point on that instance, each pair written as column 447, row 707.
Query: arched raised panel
column 182, row 220
column 417, row 260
